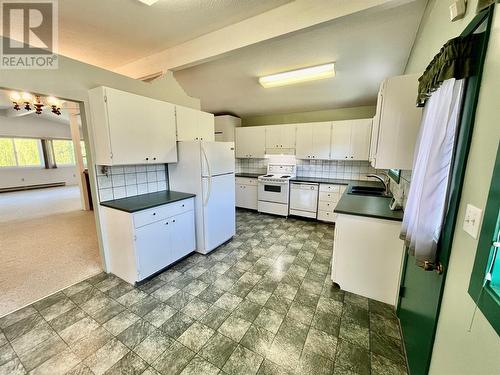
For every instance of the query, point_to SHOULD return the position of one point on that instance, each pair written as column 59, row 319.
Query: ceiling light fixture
column 312, row 73
column 29, row 100
column 148, row 2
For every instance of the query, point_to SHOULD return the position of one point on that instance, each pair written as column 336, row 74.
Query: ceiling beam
column 288, row 18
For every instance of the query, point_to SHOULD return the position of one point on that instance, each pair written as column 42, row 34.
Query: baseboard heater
column 31, row 187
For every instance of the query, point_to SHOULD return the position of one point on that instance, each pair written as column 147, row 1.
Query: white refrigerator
column 207, row 170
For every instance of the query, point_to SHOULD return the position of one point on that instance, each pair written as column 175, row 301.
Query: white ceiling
column 112, row 33
column 366, row 47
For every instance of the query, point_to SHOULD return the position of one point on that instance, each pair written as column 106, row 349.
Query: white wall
column 14, row 177
column 72, row 80
column 457, row 351
column 31, row 126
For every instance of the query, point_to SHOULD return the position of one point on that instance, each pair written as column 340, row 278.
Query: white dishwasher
column 304, row 199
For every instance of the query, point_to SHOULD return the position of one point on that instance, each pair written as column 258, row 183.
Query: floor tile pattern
column 260, row 304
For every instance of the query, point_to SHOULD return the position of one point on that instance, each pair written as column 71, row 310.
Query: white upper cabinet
column 131, row 129
column 250, row 142
column 396, row 124
column 194, row 125
column 313, row 140
column 351, row 139
column 341, row 140
column 280, row 139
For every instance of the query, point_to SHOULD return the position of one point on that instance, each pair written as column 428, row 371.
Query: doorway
column 48, row 236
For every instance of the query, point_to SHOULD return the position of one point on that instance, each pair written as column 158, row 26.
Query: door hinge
column 135, row 237
column 105, row 98
column 402, row 291
column 111, row 155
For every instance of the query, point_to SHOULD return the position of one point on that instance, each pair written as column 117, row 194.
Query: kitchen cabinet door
column 187, row 123
column 273, row 136
column 132, row 129
column 153, row 247
column 206, row 126
column 182, row 234
column 246, row 196
column 250, row 142
column 341, row 140
column 288, row 136
column 304, row 141
column 360, row 139
column 321, row 135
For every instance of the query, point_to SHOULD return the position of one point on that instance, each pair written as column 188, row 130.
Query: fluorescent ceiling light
column 300, row 75
column 148, row 2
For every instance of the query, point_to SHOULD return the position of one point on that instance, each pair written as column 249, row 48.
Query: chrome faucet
column 385, row 181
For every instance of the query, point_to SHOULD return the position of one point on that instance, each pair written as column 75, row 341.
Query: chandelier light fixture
column 29, row 101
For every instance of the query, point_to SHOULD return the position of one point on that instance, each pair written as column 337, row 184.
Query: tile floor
column 263, row 303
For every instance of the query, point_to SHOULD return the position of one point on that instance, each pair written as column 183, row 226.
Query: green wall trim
column 337, row 114
column 487, row 301
column 419, row 309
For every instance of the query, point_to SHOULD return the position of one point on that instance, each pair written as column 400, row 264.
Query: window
column 63, row 152
column 484, row 286
column 20, row 152
column 84, row 153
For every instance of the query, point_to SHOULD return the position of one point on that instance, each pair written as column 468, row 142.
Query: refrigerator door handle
column 205, row 201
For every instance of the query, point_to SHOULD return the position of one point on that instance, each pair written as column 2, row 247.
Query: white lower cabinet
column 246, row 192
column 329, row 195
column 143, row 243
column 367, row 257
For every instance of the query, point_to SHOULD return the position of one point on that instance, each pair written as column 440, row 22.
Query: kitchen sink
column 368, row 190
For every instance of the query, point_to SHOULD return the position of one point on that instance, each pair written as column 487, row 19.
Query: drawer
column 162, row 212
column 329, row 188
column 326, row 206
column 328, row 197
column 246, row 181
column 327, row 216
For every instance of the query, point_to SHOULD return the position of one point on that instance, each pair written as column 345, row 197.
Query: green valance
column 456, row 59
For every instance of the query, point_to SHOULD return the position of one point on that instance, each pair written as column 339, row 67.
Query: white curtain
column 427, row 199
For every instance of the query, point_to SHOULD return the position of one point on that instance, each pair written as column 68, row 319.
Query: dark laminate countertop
column 145, row 201
column 336, row 181
column 362, row 205
column 249, row 175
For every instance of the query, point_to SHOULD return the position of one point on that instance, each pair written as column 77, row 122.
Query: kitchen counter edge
column 145, row 201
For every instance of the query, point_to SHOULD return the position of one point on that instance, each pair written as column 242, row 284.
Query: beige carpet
column 40, row 256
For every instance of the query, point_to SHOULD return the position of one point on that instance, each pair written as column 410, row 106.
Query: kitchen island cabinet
column 145, row 241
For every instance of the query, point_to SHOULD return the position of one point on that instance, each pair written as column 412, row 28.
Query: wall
column 339, row 169
column 457, row 351
column 313, row 116
column 72, row 80
column 119, row 182
column 35, row 127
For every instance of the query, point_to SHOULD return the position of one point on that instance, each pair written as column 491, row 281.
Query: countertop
column 145, row 201
column 370, row 206
column 336, row 181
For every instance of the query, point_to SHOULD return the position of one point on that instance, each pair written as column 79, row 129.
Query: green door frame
column 419, row 349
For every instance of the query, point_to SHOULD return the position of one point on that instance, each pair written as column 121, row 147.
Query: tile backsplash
column 130, row 180
column 348, row 170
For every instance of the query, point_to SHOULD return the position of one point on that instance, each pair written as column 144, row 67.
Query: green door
column 421, row 290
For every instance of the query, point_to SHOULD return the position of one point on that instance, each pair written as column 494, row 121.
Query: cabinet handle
column 182, row 205
column 147, row 158
column 352, row 157
column 154, row 158
column 173, row 221
column 166, row 223
column 154, row 213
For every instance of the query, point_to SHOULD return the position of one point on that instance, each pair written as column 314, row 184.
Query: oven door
column 276, row 192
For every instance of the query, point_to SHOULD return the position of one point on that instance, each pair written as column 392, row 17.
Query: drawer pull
column 173, row 221
column 154, row 213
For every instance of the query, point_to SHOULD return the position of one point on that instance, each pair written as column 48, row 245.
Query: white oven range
column 274, row 189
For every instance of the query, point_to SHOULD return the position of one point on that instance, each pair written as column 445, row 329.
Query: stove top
column 274, row 175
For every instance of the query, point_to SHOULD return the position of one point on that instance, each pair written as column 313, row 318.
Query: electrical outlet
column 472, row 220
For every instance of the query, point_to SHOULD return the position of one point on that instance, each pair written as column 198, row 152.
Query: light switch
column 472, row 220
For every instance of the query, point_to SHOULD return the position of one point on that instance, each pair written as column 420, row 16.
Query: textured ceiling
column 366, row 47
column 111, row 33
